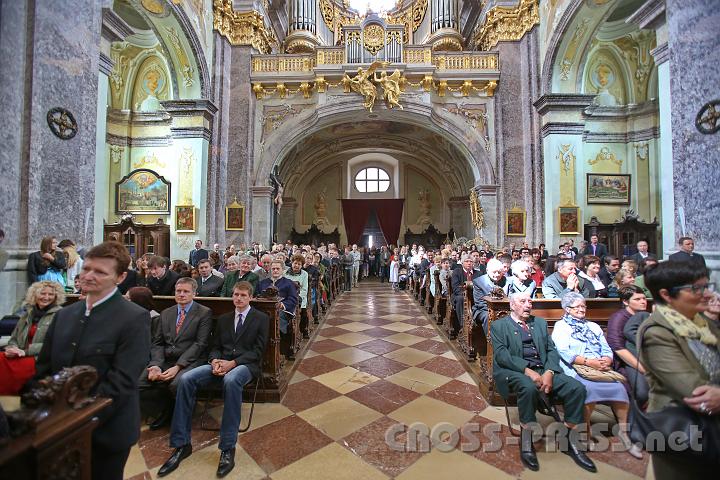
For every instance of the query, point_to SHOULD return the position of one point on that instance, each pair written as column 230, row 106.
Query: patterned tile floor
column 376, row 366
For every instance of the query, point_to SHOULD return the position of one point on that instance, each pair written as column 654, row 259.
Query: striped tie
column 180, row 322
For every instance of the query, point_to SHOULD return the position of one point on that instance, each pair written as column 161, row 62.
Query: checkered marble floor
column 376, row 365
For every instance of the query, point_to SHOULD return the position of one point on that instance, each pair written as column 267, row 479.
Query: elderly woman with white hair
column 587, row 357
column 520, row 281
column 493, row 281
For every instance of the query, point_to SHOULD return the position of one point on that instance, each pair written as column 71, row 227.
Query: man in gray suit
column 209, row 285
column 484, row 285
column 178, row 346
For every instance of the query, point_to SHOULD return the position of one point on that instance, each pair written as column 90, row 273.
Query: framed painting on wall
column 142, row 191
column 569, row 220
column 185, row 218
column 235, row 216
column 608, row 189
column 515, row 223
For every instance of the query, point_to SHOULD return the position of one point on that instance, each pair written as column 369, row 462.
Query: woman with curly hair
column 17, row 362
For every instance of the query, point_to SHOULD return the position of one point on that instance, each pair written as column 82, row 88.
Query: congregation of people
column 168, row 356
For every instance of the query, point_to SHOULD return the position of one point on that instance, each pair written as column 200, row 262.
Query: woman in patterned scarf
column 582, row 343
column 679, row 348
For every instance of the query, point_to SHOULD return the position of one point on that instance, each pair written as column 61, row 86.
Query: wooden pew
column 598, row 311
column 52, row 431
column 275, row 367
column 441, row 301
column 429, row 295
column 423, row 283
column 450, row 314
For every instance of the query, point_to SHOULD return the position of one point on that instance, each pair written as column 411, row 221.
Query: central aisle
column 376, row 364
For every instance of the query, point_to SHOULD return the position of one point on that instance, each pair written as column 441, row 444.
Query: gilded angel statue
column 362, row 83
column 391, row 87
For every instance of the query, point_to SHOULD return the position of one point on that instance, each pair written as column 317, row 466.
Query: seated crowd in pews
column 575, row 361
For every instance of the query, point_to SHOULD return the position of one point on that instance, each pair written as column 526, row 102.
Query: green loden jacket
column 508, row 354
column 19, row 335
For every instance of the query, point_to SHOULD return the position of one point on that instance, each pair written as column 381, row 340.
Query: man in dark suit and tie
column 595, row 248
column 484, row 285
column 209, row 285
column 526, row 362
column 112, row 335
column 288, row 293
column 235, row 359
column 642, row 253
column 178, row 346
column 459, row 278
column 198, row 254
column 686, row 253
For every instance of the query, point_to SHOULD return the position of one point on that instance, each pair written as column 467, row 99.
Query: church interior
column 375, row 122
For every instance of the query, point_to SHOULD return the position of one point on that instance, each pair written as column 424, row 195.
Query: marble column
column 694, row 57
column 51, row 58
column 519, row 172
column 261, row 223
column 231, row 166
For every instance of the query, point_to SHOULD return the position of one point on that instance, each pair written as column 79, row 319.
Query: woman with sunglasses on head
column 679, row 348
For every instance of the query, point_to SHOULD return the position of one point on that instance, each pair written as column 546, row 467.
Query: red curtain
column 355, row 213
column 388, row 211
column 389, row 214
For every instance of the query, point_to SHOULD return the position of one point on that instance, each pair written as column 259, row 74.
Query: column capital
column 262, row 191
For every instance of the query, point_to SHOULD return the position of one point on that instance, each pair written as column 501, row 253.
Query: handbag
column 675, row 429
column 595, row 375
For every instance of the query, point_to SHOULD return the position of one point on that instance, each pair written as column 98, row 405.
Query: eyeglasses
column 578, row 307
column 696, row 289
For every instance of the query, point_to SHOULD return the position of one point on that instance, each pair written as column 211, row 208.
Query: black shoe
column 162, row 420
column 227, row 462
column 177, row 456
column 527, row 450
column 575, row 451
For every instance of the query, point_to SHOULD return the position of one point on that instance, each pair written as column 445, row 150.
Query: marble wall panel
column 694, row 80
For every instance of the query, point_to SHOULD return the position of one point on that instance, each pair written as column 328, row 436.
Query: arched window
column 371, row 180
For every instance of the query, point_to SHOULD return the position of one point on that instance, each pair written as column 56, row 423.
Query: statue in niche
column 425, row 207
column 320, row 207
column 391, row 87
column 603, row 77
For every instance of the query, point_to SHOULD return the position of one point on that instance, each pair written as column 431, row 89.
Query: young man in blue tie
column 235, row 359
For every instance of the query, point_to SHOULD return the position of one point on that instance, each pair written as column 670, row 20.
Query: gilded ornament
column 391, row 88
column 507, row 24
column 362, row 83
column 572, row 48
column 282, row 90
column 374, row 38
column 428, row 83
column 466, row 88
column 442, row 88
column 187, row 168
column 566, row 157
column 477, row 215
column 246, row 28
column 605, row 155
column 320, row 84
column 306, row 89
column 153, row 6
column 258, row 90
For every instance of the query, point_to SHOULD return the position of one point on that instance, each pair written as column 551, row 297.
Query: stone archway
column 309, row 140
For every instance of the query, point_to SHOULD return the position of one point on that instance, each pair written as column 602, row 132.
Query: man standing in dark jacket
column 112, row 335
column 197, row 254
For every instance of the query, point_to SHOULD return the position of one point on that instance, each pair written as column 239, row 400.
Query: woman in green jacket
column 679, row 349
column 17, row 362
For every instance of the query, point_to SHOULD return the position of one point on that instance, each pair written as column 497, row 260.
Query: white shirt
column 242, row 314
column 88, row 307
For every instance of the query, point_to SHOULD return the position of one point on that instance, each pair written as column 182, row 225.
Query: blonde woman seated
column 580, row 342
column 623, row 278
column 17, row 362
